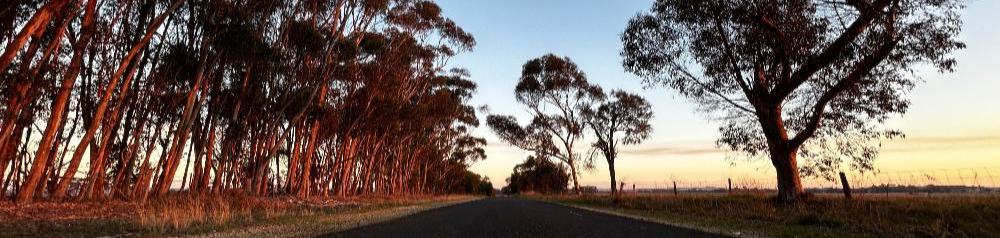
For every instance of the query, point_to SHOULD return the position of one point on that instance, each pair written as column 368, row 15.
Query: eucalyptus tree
column 556, row 92
column 621, row 120
column 806, row 78
column 232, row 96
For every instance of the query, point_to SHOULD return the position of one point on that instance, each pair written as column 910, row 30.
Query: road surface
column 513, row 217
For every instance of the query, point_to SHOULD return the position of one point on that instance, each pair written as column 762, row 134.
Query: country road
column 514, row 217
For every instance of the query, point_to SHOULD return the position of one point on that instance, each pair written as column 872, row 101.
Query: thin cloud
column 941, row 143
column 672, row 150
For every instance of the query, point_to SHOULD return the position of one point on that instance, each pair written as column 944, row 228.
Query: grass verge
column 759, row 216
column 215, row 216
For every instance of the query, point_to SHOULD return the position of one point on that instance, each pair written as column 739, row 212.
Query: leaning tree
column 622, row 120
column 803, row 78
column 556, row 93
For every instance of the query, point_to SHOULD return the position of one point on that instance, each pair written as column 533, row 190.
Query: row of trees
column 564, row 106
column 142, row 97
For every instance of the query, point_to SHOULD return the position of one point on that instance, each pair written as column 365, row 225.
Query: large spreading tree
column 790, row 79
column 556, row 92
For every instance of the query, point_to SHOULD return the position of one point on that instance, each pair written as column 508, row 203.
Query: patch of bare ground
column 209, row 216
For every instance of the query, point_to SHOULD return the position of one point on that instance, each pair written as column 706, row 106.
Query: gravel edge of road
column 336, row 222
column 719, row 231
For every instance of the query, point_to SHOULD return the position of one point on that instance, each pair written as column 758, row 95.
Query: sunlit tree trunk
column 181, row 136
column 59, row 105
column 35, row 26
column 106, row 96
column 783, row 155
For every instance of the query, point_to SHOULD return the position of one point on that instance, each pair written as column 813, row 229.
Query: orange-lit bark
column 35, row 26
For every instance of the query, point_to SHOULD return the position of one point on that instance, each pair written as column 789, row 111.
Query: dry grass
column 823, row 216
column 175, row 214
column 191, row 215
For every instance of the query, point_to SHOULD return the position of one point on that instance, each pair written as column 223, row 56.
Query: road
column 514, row 217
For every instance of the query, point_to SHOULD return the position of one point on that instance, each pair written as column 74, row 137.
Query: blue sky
column 954, row 117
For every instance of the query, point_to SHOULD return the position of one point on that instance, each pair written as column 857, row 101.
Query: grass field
column 822, row 216
column 214, row 216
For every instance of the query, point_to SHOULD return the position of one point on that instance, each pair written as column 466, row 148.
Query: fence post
column 730, row 185
column 847, row 186
column 675, row 188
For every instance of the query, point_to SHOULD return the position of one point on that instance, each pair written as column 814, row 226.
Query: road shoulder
column 311, row 226
column 216, row 216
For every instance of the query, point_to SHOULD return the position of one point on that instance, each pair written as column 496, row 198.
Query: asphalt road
column 513, row 217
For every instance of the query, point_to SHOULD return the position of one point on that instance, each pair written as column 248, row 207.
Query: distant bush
column 472, row 183
column 539, row 175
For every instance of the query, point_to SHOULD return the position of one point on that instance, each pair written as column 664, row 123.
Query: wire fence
column 965, row 180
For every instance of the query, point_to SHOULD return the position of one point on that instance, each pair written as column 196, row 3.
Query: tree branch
column 830, row 53
column 712, row 90
column 861, row 70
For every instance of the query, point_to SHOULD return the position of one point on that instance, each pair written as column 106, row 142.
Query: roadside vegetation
column 215, row 216
column 134, row 100
column 759, row 215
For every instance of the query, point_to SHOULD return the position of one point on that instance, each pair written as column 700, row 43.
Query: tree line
column 137, row 98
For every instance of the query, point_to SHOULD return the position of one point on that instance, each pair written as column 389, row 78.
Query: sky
column 953, row 126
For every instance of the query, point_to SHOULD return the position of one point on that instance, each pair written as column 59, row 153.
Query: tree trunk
column 304, row 183
column 576, row 183
column 103, row 104
column 182, row 133
column 42, row 156
column 783, row 154
column 209, row 160
column 611, row 170
column 35, row 24
column 787, row 170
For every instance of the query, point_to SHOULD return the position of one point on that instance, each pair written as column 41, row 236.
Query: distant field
column 826, row 215
column 217, row 216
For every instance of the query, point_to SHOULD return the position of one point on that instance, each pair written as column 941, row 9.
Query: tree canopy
column 809, row 78
column 556, row 92
column 621, row 120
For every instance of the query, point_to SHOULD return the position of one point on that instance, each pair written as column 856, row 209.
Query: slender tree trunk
column 42, row 156
column 209, row 160
column 576, row 183
column 94, row 185
column 34, row 26
column 103, row 104
column 305, row 185
column 611, row 170
column 292, row 178
column 177, row 148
